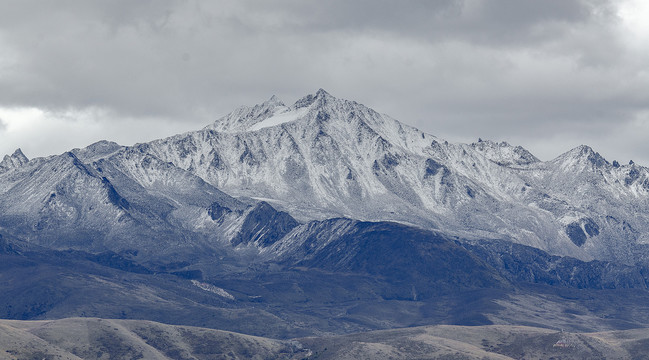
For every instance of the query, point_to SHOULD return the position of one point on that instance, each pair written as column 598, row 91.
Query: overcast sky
column 545, row 74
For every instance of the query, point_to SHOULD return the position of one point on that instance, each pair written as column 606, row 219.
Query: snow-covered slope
column 326, row 157
column 110, row 197
column 320, row 158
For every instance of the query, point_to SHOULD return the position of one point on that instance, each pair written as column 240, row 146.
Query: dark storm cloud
column 173, row 57
column 502, row 69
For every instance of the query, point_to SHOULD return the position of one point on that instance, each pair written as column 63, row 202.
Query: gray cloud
column 561, row 70
column 494, row 22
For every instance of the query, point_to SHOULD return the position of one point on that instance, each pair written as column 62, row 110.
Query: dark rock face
column 428, row 261
column 264, row 225
column 576, row 234
column 633, row 175
column 322, row 116
column 523, row 263
column 114, row 197
column 432, row 168
column 390, row 161
column 597, row 160
column 591, row 228
column 216, row 162
column 580, row 231
column 216, row 211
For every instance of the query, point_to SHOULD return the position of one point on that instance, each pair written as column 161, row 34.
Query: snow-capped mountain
column 115, row 198
column 321, row 158
column 325, row 157
column 272, row 221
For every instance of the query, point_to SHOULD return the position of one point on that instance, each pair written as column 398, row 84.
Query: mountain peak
column 321, row 96
column 503, row 153
column 582, row 154
column 18, row 154
column 274, row 112
column 580, row 151
column 274, row 101
column 245, row 117
column 97, row 150
column 322, row 93
column 14, row 160
column 583, row 149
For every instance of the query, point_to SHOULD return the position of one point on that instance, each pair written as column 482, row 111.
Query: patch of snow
column 213, row 289
column 280, row 117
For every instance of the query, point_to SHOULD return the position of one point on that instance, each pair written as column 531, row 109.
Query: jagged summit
column 244, row 117
column 97, row 150
column 14, row 160
column 274, row 100
column 504, row 154
column 322, row 113
column 320, row 96
column 19, row 154
column 274, row 112
column 322, row 93
column 582, row 156
column 578, row 151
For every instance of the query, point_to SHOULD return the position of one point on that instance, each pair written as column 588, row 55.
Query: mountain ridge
column 324, row 217
column 395, row 169
column 324, row 157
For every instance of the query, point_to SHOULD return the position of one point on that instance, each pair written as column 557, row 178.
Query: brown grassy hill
column 93, row 338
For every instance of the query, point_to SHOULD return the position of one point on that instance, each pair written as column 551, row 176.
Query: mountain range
column 322, row 158
column 324, row 217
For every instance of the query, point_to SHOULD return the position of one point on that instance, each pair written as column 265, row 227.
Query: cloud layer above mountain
column 548, row 75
